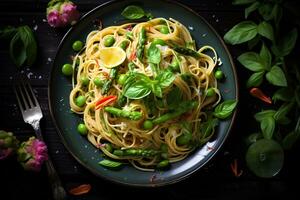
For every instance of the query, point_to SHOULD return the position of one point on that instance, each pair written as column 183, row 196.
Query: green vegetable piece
column 107, row 84
column 109, row 147
column 141, row 44
column 110, row 163
column 265, row 158
column 163, row 164
column 147, row 125
column 77, row 45
column 158, row 41
column 133, row 12
column 174, row 66
column 186, row 51
column 109, row 40
column 219, row 74
column 210, row 92
column 164, row 29
column 84, row 80
column 98, row 82
column 122, row 78
column 153, row 54
column 133, row 115
column 67, row 69
column 82, row 129
column 80, row 101
column 118, row 152
column 124, row 44
column 184, row 139
column 225, row 109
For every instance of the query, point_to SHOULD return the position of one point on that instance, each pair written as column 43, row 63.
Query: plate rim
column 164, row 183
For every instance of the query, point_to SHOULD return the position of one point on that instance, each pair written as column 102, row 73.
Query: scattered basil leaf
column 277, row 13
column 251, row 8
column 266, row 56
column 255, row 79
column 17, row 50
column 265, row 29
column 264, row 114
column 153, row 54
column 137, row 90
column 283, row 94
column 285, row 45
column 267, row 126
column 225, row 109
column 110, row 163
column 252, row 61
column 133, row 12
column 242, row 2
column 276, row 76
column 281, row 114
column 240, row 33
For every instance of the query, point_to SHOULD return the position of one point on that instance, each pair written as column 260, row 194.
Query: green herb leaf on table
column 252, row 61
column 206, row 129
column 165, row 78
column 265, row 29
column 17, row 50
column 255, row 79
column 267, row 126
column 240, row 33
column 276, row 76
column 7, row 33
column 290, row 139
column 266, row 56
column 266, row 11
column 281, row 114
column 225, row 109
column 264, row 114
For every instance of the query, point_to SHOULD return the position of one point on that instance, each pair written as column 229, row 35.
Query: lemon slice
column 111, row 56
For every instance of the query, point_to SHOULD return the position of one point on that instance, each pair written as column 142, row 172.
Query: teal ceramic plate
column 66, row 122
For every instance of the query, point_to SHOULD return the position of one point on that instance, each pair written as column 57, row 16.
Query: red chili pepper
column 256, row 92
column 234, row 169
column 81, row 189
column 132, row 55
column 105, row 101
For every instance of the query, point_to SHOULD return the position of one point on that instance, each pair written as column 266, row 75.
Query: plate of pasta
column 143, row 99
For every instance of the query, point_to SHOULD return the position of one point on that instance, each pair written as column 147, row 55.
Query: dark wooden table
column 214, row 181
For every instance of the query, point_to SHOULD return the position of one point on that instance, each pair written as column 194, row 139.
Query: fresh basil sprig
column 110, row 163
column 225, row 109
column 23, row 46
column 135, row 12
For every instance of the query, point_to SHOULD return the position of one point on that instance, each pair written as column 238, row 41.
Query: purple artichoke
column 8, row 144
column 32, row 154
column 61, row 13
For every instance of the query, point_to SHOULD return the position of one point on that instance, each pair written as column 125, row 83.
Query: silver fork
column 32, row 114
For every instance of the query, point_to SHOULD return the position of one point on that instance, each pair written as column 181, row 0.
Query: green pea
column 124, row 44
column 210, row 92
column 164, row 29
column 219, row 74
column 122, row 78
column 82, row 129
column 147, row 125
column 184, row 139
column 80, row 101
column 109, row 41
column 67, row 69
column 77, row 45
column 158, row 41
column 163, row 164
column 98, row 82
column 109, row 147
column 84, row 80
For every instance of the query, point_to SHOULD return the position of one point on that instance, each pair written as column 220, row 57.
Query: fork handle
column 58, row 191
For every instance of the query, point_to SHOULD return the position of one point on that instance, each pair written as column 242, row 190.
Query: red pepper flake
column 81, row 189
column 256, row 92
column 234, row 169
column 132, row 55
column 105, row 101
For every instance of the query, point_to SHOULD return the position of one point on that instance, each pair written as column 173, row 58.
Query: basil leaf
column 225, row 109
column 242, row 2
column 242, row 32
column 17, row 50
column 206, row 128
column 266, row 56
column 265, row 10
column 133, row 12
column 267, row 126
column 276, row 76
column 253, row 42
column 165, row 78
column 251, row 8
column 157, row 91
column 265, row 29
column 283, row 94
column 110, row 163
column 255, row 79
column 28, row 39
column 280, row 115
column 7, row 33
column 286, row 45
column 153, row 54
column 252, row 61
column 264, row 114
column 137, row 90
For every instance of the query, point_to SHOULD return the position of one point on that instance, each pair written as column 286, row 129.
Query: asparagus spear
column 136, row 152
column 133, row 115
column 107, row 84
column 141, row 44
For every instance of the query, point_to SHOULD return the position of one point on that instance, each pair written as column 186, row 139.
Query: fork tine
column 22, row 96
column 30, row 96
column 18, row 99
